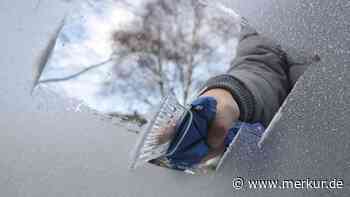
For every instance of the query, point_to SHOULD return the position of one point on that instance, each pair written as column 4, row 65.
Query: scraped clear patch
column 121, row 57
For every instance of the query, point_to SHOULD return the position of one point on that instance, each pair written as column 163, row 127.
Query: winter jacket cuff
column 239, row 92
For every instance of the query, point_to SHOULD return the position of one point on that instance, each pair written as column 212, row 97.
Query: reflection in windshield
column 121, row 57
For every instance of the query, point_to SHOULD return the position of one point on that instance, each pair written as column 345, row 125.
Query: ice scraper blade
column 155, row 140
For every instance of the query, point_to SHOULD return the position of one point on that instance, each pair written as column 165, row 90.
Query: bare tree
column 169, row 43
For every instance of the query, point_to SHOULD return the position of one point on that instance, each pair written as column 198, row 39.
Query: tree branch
column 189, row 71
column 85, row 70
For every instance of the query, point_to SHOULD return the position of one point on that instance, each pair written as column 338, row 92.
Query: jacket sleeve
column 257, row 79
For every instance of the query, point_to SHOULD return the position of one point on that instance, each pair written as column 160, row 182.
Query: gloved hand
column 193, row 141
column 189, row 145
